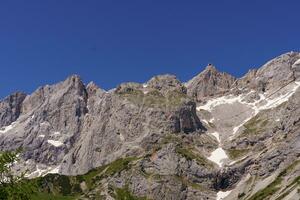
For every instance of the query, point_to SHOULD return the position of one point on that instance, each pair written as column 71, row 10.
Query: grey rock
column 209, row 83
column 11, row 108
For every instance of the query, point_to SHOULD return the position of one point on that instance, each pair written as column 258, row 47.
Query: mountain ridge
column 163, row 139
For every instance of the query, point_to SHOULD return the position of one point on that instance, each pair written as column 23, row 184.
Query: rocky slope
column 217, row 137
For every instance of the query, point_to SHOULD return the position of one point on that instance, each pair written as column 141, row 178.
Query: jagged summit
column 273, row 74
column 209, row 82
column 210, row 67
column 212, row 138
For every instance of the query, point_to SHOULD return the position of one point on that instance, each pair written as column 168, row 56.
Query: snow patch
column 297, row 62
column 54, row 170
column 145, row 85
column 205, row 121
column 122, row 137
column 219, row 101
column 218, row 156
column 217, row 136
column 267, row 103
column 221, row 195
column 233, row 162
column 274, row 102
column 55, row 143
column 41, row 136
column 56, row 133
column 43, row 171
column 45, row 124
column 235, row 129
column 7, row 128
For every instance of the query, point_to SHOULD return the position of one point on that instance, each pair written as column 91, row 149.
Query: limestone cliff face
column 274, row 74
column 11, row 108
column 208, row 83
column 80, row 127
column 216, row 136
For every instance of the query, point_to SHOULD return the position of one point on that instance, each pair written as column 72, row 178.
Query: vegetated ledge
column 153, row 98
column 63, row 187
column 276, row 186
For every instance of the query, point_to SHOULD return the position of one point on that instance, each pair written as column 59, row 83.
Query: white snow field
column 218, row 156
column 221, row 195
column 7, row 128
column 55, row 143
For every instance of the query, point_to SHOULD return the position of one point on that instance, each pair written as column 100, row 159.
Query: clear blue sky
column 110, row 41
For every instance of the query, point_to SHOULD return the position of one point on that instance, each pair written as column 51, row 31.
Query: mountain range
column 214, row 137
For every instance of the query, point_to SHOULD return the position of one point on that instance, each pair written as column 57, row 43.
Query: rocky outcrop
column 78, row 127
column 11, row 108
column 209, row 83
column 272, row 75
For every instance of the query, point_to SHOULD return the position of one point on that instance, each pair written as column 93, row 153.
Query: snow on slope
column 7, row 128
column 221, row 195
column 218, row 156
column 263, row 103
column 55, row 143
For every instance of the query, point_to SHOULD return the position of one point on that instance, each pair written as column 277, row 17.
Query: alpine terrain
column 214, row 137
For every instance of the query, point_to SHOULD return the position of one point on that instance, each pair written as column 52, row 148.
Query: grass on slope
column 236, row 153
column 154, row 98
column 275, row 186
column 54, row 186
column 47, row 196
column 190, row 155
column 124, row 194
column 254, row 126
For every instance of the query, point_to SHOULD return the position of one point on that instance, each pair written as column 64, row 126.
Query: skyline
column 183, row 81
column 111, row 42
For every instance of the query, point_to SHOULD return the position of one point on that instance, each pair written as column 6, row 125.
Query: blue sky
column 110, row 41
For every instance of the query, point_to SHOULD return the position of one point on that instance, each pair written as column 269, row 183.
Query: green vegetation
column 118, row 166
column 212, row 125
column 174, row 98
column 125, row 194
column 12, row 186
column 275, row 186
column 236, row 153
column 290, row 188
column 154, row 98
column 190, row 155
column 254, row 126
column 188, row 183
column 60, row 187
column 268, row 191
column 171, row 138
column 46, row 196
column 241, row 195
column 134, row 96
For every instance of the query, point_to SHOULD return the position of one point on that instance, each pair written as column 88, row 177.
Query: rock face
column 11, row 108
column 217, row 137
column 209, row 83
column 274, row 74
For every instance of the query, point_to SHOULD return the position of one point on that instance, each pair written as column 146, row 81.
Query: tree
column 12, row 186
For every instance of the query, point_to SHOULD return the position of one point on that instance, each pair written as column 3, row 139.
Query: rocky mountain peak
column 274, row 74
column 165, row 83
column 210, row 68
column 208, row 83
column 208, row 139
column 92, row 88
